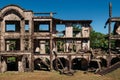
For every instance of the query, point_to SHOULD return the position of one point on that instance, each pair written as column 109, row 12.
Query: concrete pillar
column 8, row 46
column 85, row 32
column 31, row 62
column 31, row 57
column 21, row 44
column 0, row 63
column 67, row 45
column 31, row 29
column 42, row 47
column 70, row 63
column 109, row 58
column 20, row 64
column 69, row 30
column 54, row 45
column 51, row 45
column 3, row 26
column 3, row 44
column 2, row 35
column 4, row 65
column 26, row 44
column 88, row 44
column 68, row 33
column 22, row 24
column 78, row 45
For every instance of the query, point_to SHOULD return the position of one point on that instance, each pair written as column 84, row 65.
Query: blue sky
column 96, row 10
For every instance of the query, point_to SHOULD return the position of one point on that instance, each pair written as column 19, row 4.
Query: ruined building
column 115, row 33
column 26, row 38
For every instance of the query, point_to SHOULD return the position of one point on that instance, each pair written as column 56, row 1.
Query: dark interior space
column 39, row 64
column 104, row 62
column 12, row 64
column 60, row 63
column 79, row 64
column 115, row 60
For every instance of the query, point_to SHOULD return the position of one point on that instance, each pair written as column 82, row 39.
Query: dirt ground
column 46, row 75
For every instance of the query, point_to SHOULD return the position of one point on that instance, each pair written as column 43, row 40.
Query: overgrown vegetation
column 100, row 40
column 11, row 59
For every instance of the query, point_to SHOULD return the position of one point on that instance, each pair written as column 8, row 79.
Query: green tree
column 98, row 40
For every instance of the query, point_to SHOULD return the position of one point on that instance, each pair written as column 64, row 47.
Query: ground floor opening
column 79, row 64
column 12, row 64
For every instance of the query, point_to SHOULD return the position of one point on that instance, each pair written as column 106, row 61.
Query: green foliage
column 47, row 49
column 113, row 44
column 11, row 59
column 60, row 46
column 98, row 40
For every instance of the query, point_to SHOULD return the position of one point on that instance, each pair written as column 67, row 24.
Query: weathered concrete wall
column 42, row 47
column 3, row 65
column 85, row 32
column 69, row 31
column 14, row 13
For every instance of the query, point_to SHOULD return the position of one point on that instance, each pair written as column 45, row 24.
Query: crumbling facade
column 25, row 35
column 115, row 33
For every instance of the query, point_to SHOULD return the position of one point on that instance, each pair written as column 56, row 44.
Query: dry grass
column 45, row 75
column 114, row 75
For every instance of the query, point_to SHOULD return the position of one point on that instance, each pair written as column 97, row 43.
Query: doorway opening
column 12, row 64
